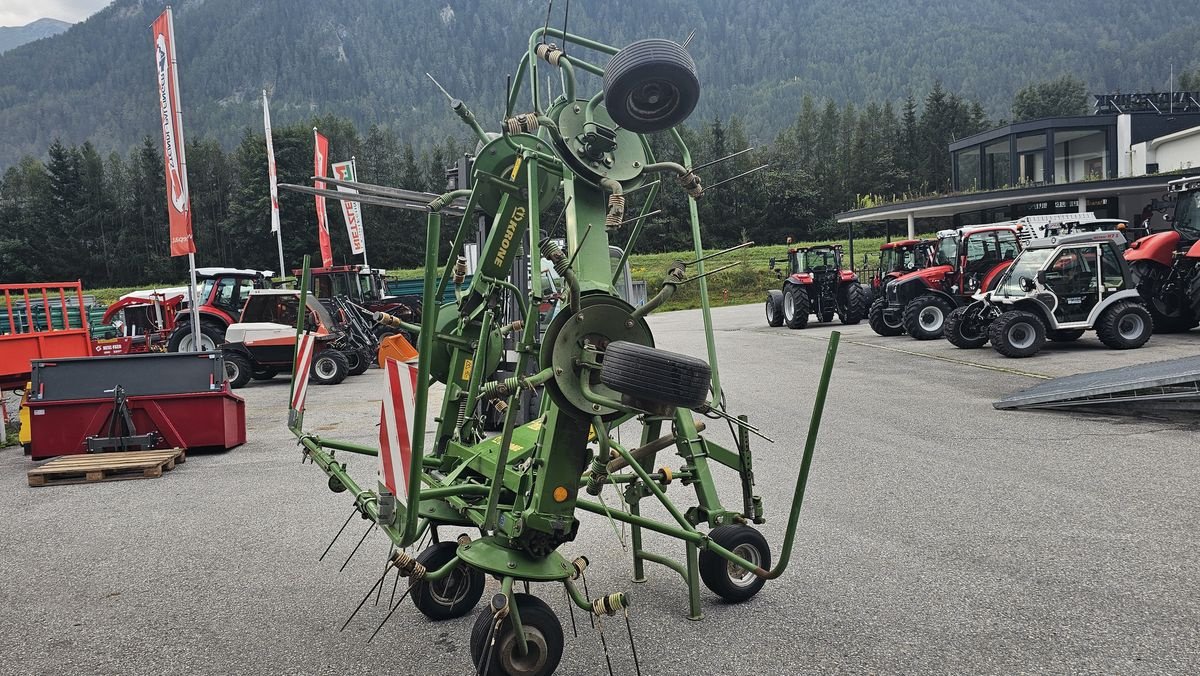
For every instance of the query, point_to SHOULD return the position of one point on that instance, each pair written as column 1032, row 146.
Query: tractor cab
column 222, row 293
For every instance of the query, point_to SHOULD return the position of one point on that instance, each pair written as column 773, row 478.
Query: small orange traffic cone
column 396, row 347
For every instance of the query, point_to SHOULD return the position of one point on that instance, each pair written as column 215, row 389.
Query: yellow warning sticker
column 467, row 364
column 516, row 168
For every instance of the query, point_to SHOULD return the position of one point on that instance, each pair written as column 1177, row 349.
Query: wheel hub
column 930, row 318
column 1020, row 336
column 325, row 368
column 535, row 655
column 738, row 575
column 1130, row 327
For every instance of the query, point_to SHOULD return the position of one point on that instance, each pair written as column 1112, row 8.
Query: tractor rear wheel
column 656, row 376
column 1171, row 311
column 494, row 649
column 925, row 316
column 774, row 308
column 238, row 370
column 650, row 86
column 796, row 307
column 729, row 580
column 853, row 303
column 1125, row 325
column 882, row 321
column 330, row 367
column 1065, row 335
column 965, row 331
column 211, row 338
column 452, row 596
column 1017, row 333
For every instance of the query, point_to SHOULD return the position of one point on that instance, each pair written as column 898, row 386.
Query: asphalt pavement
column 938, row 535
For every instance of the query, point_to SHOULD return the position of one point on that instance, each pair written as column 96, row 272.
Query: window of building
column 1080, row 155
column 1031, row 159
column 997, row 163
column 966, row 165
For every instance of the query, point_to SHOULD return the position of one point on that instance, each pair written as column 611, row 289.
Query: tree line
column 102, row 219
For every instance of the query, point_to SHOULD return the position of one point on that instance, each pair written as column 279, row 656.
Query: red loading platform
column 133, row 402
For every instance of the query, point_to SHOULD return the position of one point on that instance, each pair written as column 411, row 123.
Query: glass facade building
column 1040, row 152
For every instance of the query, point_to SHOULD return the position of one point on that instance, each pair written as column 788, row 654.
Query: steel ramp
column 1171, row 385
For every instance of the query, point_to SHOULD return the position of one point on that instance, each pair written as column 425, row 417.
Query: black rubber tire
column 541, row 627
column 1065, row 335
column 1125, row 325
column 877, row 318
column 358, row 360
column 854, row 304
column 1193, row 291
column 964, row 333
column 238, row 370
column 329, row 367
column 653, row 375
column 924, row 306
column 1017, row 324
column 715, row 571
column 209, row 331
column 774, row 308
column 1171, row 319
column 651, row 85
column 797, row 296
column 265, row 373
column 454, row 595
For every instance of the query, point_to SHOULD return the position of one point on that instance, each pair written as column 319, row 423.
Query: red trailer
column 40, row 321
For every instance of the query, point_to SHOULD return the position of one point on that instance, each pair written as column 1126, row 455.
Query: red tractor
column 816, row 285
column 223, row 292
column 1166, row 265
column 897, row 259
column 364, row 286
column 144, row 320
column 967, row 261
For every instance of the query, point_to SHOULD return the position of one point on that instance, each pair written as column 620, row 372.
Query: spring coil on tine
column 553, row 253
column 691, row 184
column 609, row 605
column 549, row 52
column 616, row 211
column 500, row 388
column 524, row 123
column 407, row 565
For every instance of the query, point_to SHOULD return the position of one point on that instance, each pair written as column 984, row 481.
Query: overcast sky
column 21, row 12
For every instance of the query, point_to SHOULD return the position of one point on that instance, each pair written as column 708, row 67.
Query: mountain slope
column 366, row 59
column 15, row 36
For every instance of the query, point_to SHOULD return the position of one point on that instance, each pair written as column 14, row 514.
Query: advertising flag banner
column 271, row 167
column 351, row 211
column 178, row 200
column 320, row 162
column 396, row 419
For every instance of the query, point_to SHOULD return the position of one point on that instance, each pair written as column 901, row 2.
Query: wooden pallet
column 77, row 469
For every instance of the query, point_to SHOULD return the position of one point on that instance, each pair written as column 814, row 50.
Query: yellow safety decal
column 467, row 364
column 516, row 168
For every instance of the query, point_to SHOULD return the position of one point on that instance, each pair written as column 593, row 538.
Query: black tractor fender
column 953, row 300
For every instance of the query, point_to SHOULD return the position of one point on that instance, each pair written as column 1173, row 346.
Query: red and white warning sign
column 396, row 419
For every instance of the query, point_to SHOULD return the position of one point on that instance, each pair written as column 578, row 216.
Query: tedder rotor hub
column 443, row 354
column 595, row 147
column 497, row 159
column 574, row 340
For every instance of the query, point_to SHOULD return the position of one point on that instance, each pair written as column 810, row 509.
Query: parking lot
column 938, row 535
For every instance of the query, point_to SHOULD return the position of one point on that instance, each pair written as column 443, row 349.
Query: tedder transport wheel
column 853, row 304
column 1065, row 335
column 650, row 86
column 265, row 373
column 774, row 308
column 654, row 375
column 1124, row 325
column 238, row 370
column 181, row 339
column 1017, row 333
column 730, row 581
column 925, row 316
column 496, row 647
column 883, row 322
column 796, row 307
column 330, row 367
column 452, row 596
column 359, row 361
column 965, row 332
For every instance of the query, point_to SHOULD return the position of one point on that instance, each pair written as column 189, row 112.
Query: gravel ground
column 938, row 536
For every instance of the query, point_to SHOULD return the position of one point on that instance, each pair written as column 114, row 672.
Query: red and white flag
column 351, row 211
column 271, row 167
column 320, row 161
column 304, row 357
column 179, row 209
column 396, row 419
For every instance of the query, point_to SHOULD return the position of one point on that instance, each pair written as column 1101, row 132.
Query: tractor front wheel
column 774, row 308
column 1125, row 325
column 181, row 340
column 853, row 303
column 925, row 316
column 967, row 331
column 330, row 367
column 796, row 307
column 452, row 596
column 494, row 648
column 729, row 580
column 238, row 370
column 359, row 361
column 883, row 321
column 1017, row 334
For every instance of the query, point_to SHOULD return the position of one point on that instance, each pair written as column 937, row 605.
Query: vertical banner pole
column 273, row 179
column 196, row 335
